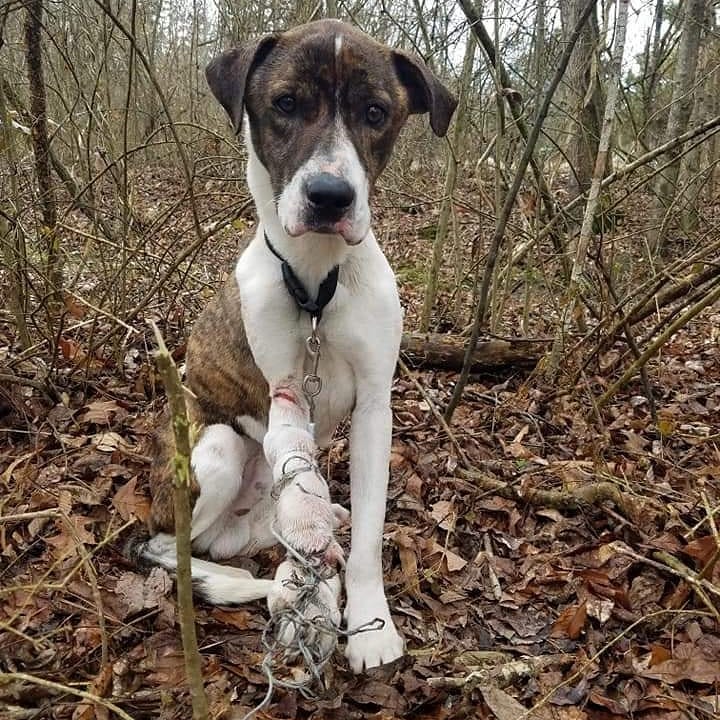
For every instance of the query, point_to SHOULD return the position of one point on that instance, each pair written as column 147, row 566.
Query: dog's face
column 325, row 104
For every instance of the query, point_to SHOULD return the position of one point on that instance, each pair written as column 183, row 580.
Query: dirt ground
column 513, row 604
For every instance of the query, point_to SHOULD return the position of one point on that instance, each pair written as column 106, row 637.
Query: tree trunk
column 583, row 98
column 679, row 116
column 573, row 291
column 695, row 171
column 41, row 150
column 13, row 245
column 651, row 131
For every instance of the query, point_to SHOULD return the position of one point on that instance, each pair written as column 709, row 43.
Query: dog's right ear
column 227, row 74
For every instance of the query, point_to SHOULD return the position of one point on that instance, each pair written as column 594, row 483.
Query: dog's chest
column 337, row 395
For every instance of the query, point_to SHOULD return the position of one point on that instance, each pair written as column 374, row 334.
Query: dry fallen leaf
column 599, row 609
column 688, row 662
column 408, row 560
column 502, row 705
column 443, row 513
column 99, row 687
column 138, row 592
column 374, row 692
column 100, row 412
column 571, row 622
column 129, row 503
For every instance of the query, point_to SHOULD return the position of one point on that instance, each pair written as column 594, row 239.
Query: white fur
column 342, row 161
column 218, row 584
column 360, row 337
column 252, row 427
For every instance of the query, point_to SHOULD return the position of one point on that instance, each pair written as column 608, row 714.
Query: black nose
column 329, row 195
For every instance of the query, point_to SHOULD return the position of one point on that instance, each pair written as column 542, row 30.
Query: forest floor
column 565, row 610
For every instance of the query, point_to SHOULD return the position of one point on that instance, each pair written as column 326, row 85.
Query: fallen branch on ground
column 593, row 493
column 448, row 351
column 504, row 675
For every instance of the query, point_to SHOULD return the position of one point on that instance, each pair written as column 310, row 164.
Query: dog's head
column 325, row 104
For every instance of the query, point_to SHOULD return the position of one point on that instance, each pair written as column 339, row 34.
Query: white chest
column 337, row 393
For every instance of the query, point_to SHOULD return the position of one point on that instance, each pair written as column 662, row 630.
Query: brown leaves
column 101, row 412
column 99, row 687
column 698, row 662
column 571, row 622
column 136, row 592
column 380, row 694
column 130, row 503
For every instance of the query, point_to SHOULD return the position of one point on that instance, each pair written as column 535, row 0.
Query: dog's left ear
column 227, row 74
column 426, row 92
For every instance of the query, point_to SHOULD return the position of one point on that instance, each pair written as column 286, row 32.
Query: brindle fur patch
column 329, row 89
column 225, row 381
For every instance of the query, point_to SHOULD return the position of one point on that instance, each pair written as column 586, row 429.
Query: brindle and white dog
column 324, row 104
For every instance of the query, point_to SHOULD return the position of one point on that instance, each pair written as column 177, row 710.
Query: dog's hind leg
column 231, row 483
column 229, row 472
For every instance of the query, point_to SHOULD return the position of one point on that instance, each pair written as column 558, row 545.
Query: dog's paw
column 366, row 604
column 316, row 627
column 305, row 520
column 371, row 648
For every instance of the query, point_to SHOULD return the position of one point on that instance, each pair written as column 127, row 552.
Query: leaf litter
column 511, row 608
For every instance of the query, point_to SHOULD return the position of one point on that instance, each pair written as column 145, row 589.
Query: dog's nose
column 329, row 194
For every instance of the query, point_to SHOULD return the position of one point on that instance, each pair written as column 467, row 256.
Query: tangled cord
column 292, row 635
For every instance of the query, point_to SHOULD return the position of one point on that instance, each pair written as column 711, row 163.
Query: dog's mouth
column 344, row 228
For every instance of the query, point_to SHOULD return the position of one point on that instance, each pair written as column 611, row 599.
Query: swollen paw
column 306, row 612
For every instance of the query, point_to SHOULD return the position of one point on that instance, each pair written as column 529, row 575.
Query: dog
column 321, row 106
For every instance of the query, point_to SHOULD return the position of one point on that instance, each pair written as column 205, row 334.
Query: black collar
column 297, row 290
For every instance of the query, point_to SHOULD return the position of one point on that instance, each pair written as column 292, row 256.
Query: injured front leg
column 305, row 518
column 304, row 599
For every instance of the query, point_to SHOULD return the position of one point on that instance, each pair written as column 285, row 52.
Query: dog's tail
column 216, row 584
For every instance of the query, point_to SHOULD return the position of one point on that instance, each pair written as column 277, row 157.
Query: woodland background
column 551, row 544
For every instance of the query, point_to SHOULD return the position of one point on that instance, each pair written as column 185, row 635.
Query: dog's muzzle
column 329, row 199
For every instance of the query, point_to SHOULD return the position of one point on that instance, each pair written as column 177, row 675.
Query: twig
column 181, row 496
column 25, row 677
column 436, row 413
column 21, row 517
column 683, row 320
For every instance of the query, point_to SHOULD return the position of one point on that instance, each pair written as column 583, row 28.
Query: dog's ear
column 227, row 74
column 426, row 92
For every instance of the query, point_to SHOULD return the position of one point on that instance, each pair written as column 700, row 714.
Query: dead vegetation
column 569, row 565
column 551, row 546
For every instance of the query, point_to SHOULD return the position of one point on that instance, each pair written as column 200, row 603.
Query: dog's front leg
column 369, row 460
column 304, row 514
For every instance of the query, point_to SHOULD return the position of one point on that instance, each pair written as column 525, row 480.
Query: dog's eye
column 375, row 115
column 286, row 104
